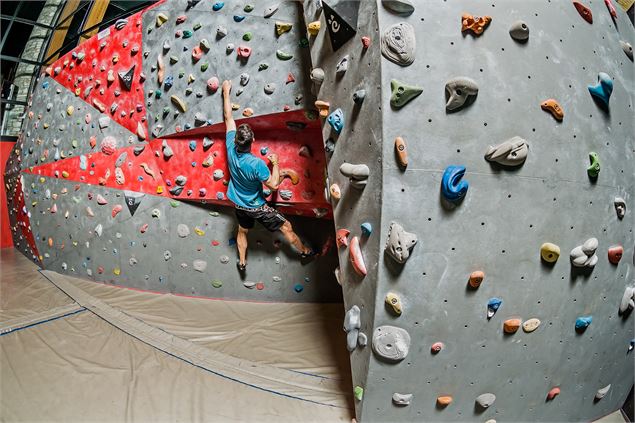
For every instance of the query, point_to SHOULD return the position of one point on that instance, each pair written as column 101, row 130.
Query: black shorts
column 268, row 217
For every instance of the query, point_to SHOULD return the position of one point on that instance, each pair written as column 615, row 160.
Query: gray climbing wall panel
column 263, row 67
column 505, row 217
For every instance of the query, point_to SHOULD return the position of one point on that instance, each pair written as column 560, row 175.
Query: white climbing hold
column 485, row 400
column 601, row 393
column 352, row 323
column 401, row 399
column 584, row 255
column 512, row 152
column 628, row 300
column 531, row 325
column 391, row 343
column 399, row 243
column 199, row 265
column 99, row 229
column 182, row 230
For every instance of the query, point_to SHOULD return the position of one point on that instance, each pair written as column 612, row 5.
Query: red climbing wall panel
column 110, row 50
column 22, row 216
column 5, row 229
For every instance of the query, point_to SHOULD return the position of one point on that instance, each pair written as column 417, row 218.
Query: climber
column 248, row 173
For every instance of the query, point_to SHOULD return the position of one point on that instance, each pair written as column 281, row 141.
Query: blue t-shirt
column 247, row 175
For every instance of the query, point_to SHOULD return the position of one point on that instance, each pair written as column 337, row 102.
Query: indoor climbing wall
column 501, row 252
column 96, row 188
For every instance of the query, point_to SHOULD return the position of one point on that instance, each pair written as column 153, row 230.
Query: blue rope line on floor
column 43, row 321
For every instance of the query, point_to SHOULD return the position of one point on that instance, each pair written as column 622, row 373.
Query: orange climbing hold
column 248, row 112
column 444, row 400
column 553, row 107
column 584, row 11
column 511, row 325
column 323, row 108
column 341, row 238
column 402, row 153
column 476, row 24
column 291, row 174
column 476, row 278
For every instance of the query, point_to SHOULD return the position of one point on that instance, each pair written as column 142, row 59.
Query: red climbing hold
column 584, row 11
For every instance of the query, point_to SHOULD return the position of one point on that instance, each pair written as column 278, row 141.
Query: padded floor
column 79, row 367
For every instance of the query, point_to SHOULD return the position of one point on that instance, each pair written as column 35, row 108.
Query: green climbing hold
column 166, row 111
column 175, row 204
column 74, row 143
column 263, row 66
column 181, row 73
column 283, row 55
column 204, row 66
column 196, row 27
column 214, row 213
column 187, row 33
column 358, row 392
column 594, row 169
column 157, row 94
column 173, row 59
column 248, row 8
column 402, row 93
column 217, row 283
column 304, row 42
column 248, row 36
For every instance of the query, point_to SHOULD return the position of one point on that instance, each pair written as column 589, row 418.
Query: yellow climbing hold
column 65, row 174
column 282, row 27
column 549, row 252
column 116, row 271
column 393, row 301
column 42, row 180
column 161, row 19
column 199, row 231
column 180, row 104
column 314, row 28
column 70, row 110
column 160, row 189
column 77, row 91
column 235, row 106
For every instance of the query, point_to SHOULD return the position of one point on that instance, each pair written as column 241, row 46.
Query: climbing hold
column 336, row 120
column 476, row 278
column 341, row 237
column 248, row 112
column 218, row 6
column 628, row 300
column 197, row 53
column 359, row 96
column 457, row 91
column 212, row 84
column 399, row 243
column 584, row 255
column 269, row 11
column 476, row 24
column 549, row 252
column 291, row 174
column 391, row 343
column 594, row 168
column 282, row 27
column 553, row 107
column 356, row 257
column 244, row 79
column 492, row 306
column 358, row 393
column 554, row 392
column 511, row 325
column 126, row 78
column 352, row 324
column 357, row 174
column 161, row 19
column 398, row 44
column 167, row 150
column 402, row 93
column 323, row 108
column 601, row 393
column 401, row 399
column 366, row 228
column 584, row 11
column 615, row 254
column 531, row 325
column 313, row 27
column 620, row 207
column 519, row 31
column 199, row 265
column 627, row 48
column 436, row 347
column 444, row 400
column 243, row 52
column 393, row 301
column 365, row 42
column 218, row 174
column 601, row 91
column 583, row 322
column 247, row 36
column 485, row 400
column 453, row 187
column 182, row 230
column 270, row 88
column 405, row 7
column 612, row 11
column 104, row 122
column 239, row 18
column 317, row 75
column 342, row 65
column 180, row 104
column 283, row 55
column 402, row 153
column 512, row 152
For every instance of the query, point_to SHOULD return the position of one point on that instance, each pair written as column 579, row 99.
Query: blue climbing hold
column 188, row 126
column 453, row 187
column 169, row 81
column 336, row 120
column 192, row 145
column 45, row 84
column 581, row 323
column 231, row 242
column 140, row 178
column 264, row 151
column 602, row 90
column 367, row 229
column 298, row 288
column 492, row 306
column 239, row 18
column 193, row 164
column 218, row 6
column 220, row 196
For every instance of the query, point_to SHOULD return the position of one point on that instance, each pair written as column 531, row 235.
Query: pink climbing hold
column 243, row 52
column 260, row 286
column 197, row 53
column 554, row 392
column 54, row 208
column 143, row 228
column 436, row 347
column 366, row 42
column 101, row 200
column 357, row 259
column 116, row 210
column 212, row 84
column 342, row 237
column 290, row 78
column 108, row 145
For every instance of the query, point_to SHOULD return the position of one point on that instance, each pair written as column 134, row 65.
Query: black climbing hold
column 126, row 78
column 133, row 200
column 341, row 18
